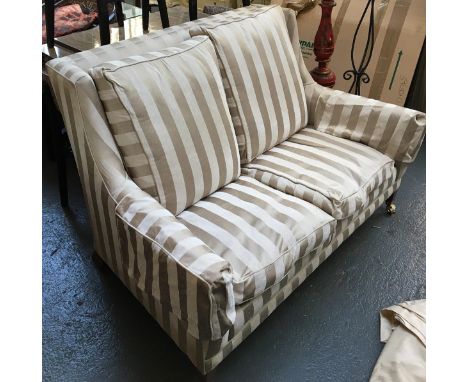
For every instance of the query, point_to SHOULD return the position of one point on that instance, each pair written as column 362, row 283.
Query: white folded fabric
column 403, row 328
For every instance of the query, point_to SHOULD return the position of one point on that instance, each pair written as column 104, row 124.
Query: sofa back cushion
column 169, row 116
column 262, row 75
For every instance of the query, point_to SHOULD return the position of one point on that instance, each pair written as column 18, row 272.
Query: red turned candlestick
column 324, row 44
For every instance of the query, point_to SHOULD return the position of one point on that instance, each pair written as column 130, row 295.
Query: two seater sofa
column 217, row 174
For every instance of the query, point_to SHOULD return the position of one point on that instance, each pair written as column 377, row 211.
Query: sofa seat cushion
column 260, row 231
column 262, row 78
column 169, row 116
column 332, row 173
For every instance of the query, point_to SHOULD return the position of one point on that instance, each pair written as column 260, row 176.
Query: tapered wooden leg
column 119, row 13
column 192, row 9
column 103, row 17
column 391, row 207
column 49, row 11
column 145, row 8
column 163, row 13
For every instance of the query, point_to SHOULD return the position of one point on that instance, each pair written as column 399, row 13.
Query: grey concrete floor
column 327, row 330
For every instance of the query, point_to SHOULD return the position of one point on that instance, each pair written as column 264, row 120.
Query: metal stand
column 358, row 73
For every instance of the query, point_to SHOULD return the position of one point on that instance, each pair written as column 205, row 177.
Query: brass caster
column 391, row 208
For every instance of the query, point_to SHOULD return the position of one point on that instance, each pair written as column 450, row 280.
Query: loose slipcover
column 334, row 174
column 169, row 117
column 207, row 328
column 262, row 74
column 260, row 231
column 172, row 264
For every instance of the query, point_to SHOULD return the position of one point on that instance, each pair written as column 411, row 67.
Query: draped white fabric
column 403, row 328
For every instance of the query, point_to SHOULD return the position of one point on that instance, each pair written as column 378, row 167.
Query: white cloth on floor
column 403, row 328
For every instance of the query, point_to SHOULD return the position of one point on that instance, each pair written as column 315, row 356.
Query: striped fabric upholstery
column 195, row 304
column 261, row 232
column 206, row 355
column 251, row 314
column 100, row 168
column 263, row 77
column 396, row 131
column 170, row 120
column 175, row 266
column 334, row 174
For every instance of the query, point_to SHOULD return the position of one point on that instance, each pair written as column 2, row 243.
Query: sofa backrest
column 95, row 151
column 261, row 76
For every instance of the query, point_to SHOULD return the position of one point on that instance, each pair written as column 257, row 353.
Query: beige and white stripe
column 169, row 117
column 207, row 354
column 97, row 157
column 396, row 131
column 332, row 173
column 260, row 231
column 165, row 259
column 268, row 92
column 250, row 315
column 200, row 327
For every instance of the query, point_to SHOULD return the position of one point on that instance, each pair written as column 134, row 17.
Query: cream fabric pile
column 403, row 328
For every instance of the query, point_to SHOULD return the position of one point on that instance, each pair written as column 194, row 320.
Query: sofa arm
column 173, row 266
column 393, row 130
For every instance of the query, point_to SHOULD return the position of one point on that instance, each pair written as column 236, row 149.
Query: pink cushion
column 69, row 19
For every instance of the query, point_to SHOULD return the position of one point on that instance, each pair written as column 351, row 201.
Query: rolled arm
column 393, row 130
column 175, row 267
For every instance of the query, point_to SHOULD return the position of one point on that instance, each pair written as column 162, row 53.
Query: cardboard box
column 400, row 29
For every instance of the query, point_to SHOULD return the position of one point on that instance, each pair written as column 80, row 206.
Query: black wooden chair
column 49, row 10
column 103, row 17
column 146, row 9
column 145, row 6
